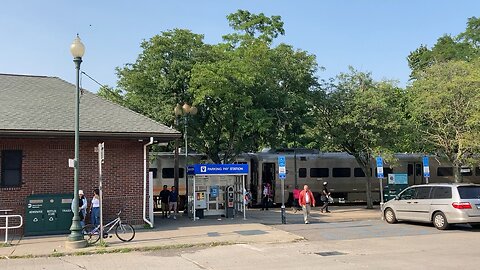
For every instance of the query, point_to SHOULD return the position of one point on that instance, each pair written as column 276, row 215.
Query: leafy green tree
column 360, row 116
column 445, row 104
column 160, row 77
column 250, row 97
column 464, row 46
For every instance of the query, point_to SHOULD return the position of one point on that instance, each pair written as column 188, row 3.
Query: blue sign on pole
column 379, row 167
column 282, row 171
column 426, row 167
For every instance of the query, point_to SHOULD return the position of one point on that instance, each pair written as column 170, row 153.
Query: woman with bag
column 325, row 198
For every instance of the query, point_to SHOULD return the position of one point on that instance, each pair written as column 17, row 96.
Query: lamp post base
column 75, row 244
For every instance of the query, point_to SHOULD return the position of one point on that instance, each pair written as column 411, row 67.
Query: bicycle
column 125, row 232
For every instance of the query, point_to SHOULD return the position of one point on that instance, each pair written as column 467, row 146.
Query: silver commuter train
column 346, row 180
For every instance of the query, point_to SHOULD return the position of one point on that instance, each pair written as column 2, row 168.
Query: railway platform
column 184, row 232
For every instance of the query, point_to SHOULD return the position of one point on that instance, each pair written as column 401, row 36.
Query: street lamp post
column 77, row 49
column 185, row 110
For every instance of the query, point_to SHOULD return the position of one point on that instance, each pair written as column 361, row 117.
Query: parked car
column 441, row 204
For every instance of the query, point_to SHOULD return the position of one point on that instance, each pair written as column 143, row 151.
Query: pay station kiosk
column 216, row 189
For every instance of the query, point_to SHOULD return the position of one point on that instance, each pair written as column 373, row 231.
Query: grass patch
column 5, row 245
column 103, row 250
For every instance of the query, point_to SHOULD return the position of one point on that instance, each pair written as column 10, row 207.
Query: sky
column 370, row 35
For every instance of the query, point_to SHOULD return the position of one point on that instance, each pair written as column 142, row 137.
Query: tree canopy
column 445, row 105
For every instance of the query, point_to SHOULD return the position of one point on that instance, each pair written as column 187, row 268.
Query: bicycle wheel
column 125, row 232
column 91, row 234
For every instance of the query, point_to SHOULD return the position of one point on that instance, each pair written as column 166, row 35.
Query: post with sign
column 426, row 169
column 380, row 177
column 282, row 174
column 101, row 160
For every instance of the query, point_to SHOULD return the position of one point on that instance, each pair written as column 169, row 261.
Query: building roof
column 41, row 105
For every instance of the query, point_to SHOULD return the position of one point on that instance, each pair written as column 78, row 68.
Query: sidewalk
column 169, row 233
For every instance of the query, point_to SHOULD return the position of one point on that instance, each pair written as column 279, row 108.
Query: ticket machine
column 230, row 202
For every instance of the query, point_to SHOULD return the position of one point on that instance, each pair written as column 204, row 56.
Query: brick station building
column 37, row 115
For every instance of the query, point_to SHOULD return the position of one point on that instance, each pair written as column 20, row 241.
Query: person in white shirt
column 95, row 214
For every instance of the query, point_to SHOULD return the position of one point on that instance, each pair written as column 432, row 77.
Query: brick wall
column 45, row 170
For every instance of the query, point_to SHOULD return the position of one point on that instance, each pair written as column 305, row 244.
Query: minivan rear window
column 469, row 192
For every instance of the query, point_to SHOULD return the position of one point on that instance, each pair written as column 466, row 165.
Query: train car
column 345, row 178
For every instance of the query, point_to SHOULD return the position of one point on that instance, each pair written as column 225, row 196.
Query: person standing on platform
column 95, row 213
column 173, row 203
column 267, row 191
column 307, row 201
column 296, row 195
column 164, row 197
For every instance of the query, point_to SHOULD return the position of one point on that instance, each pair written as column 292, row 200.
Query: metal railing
column 7, row 227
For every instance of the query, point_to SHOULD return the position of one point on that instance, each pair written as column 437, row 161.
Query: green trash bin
column 48, row 214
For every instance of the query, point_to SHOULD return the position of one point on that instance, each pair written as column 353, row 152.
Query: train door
column 415, row 174
column 268, row 176
column 254, row 181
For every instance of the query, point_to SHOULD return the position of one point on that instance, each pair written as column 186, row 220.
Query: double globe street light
column 184, row 111
column 75, row 238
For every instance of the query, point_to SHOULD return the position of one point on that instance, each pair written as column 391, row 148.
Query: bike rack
column 7, row 227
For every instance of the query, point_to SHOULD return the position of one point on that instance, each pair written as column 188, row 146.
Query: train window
column 410, row 169
column 319, row 172
column 154, row 170
column 302, row 172
column 303, row 158
column 444, row 171
column 418, row 169
column 358, row 172
column 477, row 171
column 341, row 172
column 465, row 171
column 170, row 173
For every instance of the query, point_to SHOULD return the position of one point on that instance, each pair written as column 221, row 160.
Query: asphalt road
column 342, row 245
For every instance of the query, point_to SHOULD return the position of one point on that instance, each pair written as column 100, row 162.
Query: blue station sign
column 218, row 169
column 282, row 171
column 426, row 167
column 379, row 162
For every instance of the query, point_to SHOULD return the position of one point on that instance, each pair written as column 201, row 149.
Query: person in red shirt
column 306, row 200
column 296, row 195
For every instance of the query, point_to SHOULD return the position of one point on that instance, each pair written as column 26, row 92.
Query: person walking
column 325, row 197
column 296, row 195
column 95, row 210
column 82, row 205
column 173, row 203
column 267, row 191
column 164, row 197
column 306, row 200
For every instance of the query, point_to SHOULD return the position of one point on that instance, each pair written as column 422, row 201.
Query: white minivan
column 441, row 204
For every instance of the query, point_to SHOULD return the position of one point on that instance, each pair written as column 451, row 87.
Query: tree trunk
column 457, row 174
column 365, row 165
column 368, row 191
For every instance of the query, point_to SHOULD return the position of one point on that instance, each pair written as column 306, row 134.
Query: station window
column 319, row 172
column 444, row 171
column 170, row 173
column 358, row 172
column 302, row 172
column 341, row 172
column 11, row 168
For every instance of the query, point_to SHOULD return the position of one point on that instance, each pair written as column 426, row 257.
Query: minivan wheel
column 440, row 221
column 390, row 216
